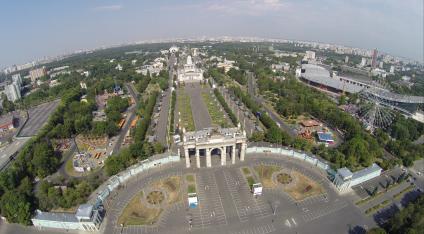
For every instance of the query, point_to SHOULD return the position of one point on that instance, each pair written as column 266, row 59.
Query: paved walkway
column 200, row 111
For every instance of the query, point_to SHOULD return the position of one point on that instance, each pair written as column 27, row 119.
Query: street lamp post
column 189, row 220
column 275, row 205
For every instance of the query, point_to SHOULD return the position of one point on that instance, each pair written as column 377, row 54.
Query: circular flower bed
column 284, row 178
column 155, row 197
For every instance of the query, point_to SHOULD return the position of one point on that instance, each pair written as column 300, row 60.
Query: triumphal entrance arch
column 227, row 144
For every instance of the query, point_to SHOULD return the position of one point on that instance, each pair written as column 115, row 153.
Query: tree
column 7, row 105
column 158, row 148
column 409, row 220
column 257, row 136
column 44, row 159
column 15, row 207
column 342, row 100
column 113, row 165
column 274, row 135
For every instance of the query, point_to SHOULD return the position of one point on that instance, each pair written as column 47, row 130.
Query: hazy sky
column 32, row 29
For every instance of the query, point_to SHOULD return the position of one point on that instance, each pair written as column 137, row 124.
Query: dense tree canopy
column 410, row 220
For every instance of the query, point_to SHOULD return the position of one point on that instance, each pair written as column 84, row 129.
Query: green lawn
column 250, row 181
column 184, row 107
column 377, row 207
column 246, row 171
column 190, row 178
column 215, row 110
column 191, row 188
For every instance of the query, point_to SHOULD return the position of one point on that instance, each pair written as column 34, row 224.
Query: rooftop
column 321, row 75
column 323, row 136
column 371, row 169
column 310, row 123
column 53, row 216
column 344, row 172
column 84, row 211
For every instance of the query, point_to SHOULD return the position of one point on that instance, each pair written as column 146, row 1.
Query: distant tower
column 346, row 59
column 374, row 58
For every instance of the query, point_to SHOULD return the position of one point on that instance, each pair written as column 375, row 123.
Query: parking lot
column 226, row 204
column 365, row 189
column 162, row 113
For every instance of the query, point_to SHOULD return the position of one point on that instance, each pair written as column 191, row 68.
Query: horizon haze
column 395, row 27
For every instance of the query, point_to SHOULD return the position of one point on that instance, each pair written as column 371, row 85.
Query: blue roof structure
column 327, row 137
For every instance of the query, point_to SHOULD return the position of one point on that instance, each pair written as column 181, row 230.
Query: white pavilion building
column 189, row 72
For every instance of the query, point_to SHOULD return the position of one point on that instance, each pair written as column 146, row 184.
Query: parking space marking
column 263, row 229
column 210, row 203
column 318, row 213
column 314, row 199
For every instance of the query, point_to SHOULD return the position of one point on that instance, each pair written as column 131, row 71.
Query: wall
column 134, row 170
column 311, row 159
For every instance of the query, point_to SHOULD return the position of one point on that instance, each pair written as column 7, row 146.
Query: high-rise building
column 346, row 59
column 17, row 79
column 392, row 69
column 13, row 92
column 374, row 58
column 381, row 65
column 363, row 62
column 37, row 73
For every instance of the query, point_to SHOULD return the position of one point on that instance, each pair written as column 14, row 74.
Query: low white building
column 86, row 219
column 344, row 179
column 310, row 55
column 118, row 67
column 153, row 68
column 227, row 65
column 173, row 49
column 280, row 67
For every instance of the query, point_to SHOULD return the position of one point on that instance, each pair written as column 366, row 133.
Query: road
column 130, row 118
column 261, row 102
column 37, row 118
column 274, row 116
column 161, row 130
column 10, row 150
column 417, row 172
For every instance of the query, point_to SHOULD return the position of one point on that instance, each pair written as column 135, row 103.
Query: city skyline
column 392, row 27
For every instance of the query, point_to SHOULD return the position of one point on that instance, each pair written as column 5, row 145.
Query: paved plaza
column 226, row 204
column 200, row 111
